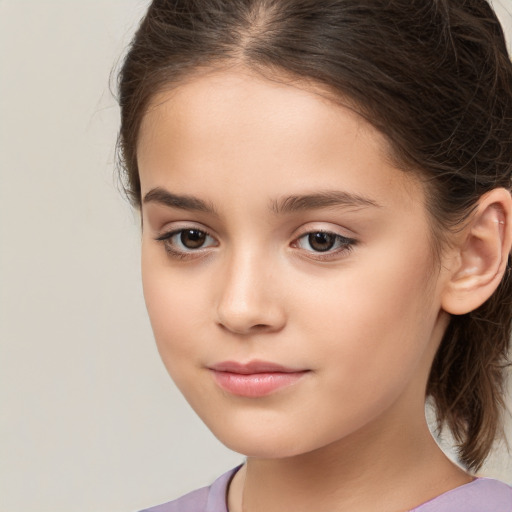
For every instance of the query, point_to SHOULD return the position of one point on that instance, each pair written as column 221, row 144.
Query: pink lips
column 254, row 379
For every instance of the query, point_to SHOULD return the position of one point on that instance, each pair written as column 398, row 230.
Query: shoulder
column 206, row 499
column 481, row 495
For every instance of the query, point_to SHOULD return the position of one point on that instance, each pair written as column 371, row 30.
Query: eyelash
column 345, row 244
column 170, row 248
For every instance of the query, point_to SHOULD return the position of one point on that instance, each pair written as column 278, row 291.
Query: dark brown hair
column 433, row 76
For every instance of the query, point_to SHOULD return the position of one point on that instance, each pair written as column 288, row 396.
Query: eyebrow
column 183, row 202
column 288, row 204
column 318, row 200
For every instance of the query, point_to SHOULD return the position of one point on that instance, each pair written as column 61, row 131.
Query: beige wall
column 504, row 10
column 89, row 420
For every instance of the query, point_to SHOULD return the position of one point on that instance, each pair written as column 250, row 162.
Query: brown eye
column 193, row 238
column 317, row 242
column 186, row 241
column 321, row 242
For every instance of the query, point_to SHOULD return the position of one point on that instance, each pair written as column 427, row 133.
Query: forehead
column 242, row 98
column 234, row 125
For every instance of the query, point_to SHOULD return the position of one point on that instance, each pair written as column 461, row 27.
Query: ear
column 480, row 254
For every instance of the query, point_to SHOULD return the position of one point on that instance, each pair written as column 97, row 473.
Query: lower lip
column 255, row 385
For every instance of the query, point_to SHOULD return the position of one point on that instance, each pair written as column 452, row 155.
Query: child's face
column 301, row 246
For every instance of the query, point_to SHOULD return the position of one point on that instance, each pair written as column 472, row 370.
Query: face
column 287, row 265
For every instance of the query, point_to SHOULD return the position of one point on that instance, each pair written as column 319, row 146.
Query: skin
column 364, row 320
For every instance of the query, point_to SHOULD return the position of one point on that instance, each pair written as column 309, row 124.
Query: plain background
column 89, row 420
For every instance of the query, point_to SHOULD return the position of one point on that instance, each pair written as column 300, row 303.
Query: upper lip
column 252, row 367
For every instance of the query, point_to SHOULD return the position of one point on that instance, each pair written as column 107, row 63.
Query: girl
column 327, row 221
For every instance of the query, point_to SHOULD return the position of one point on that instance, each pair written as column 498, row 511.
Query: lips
column 255, row 378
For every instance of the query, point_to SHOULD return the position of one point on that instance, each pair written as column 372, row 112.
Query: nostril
column 244, row 329
column 244, row 309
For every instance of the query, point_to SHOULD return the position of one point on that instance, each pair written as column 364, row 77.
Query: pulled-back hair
column 433, row 76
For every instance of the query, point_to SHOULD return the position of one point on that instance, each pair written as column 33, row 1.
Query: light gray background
column 89, row 420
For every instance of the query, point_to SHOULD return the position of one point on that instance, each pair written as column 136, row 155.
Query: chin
column 261, row 448
column 267, row 441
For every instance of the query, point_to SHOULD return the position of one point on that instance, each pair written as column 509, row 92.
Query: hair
column 433, row 76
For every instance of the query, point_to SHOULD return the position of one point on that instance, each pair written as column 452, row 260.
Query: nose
column 249, row 300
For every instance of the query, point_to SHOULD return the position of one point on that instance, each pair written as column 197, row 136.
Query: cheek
column 375, row 320
column 373, row 334
column 175, row 309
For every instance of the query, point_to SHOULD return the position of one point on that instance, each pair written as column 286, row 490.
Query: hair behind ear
column 467, row 379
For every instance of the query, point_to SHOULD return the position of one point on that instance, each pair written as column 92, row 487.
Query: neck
column 378, row 469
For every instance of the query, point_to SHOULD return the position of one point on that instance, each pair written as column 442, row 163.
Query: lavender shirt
column 481, row 495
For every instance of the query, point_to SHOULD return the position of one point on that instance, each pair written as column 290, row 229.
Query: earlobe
column 482, row 253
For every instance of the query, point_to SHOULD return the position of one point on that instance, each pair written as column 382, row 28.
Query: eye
column 324, row 241
column 184, row 241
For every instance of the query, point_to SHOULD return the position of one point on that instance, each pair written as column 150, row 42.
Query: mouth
column 255, row 378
